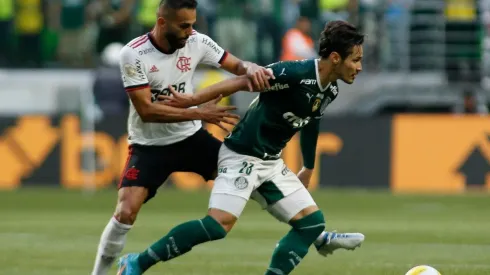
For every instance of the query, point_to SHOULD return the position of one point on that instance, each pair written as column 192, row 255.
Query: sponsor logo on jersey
column 146, row 51
column 308, row 81
column 210, row 43
column 334, row 90
column 282, row 72
column 277, row 87
column 295, row 121
column 184, row 64
column 155, row 92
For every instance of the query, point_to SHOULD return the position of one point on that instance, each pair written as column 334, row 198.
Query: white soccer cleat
column 332, row 241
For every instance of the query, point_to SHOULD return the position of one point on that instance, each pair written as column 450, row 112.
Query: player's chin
column 181, row 44
column 349, row 80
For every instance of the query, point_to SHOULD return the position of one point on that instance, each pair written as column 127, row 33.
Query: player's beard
column 174, row 41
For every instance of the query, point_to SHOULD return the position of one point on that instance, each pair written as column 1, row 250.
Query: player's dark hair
column 339, row 36
column 178, row 4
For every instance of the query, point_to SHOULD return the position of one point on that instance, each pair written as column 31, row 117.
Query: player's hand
column 212, row 113
column 305, row 176
column 259, row 76
column 176, row 99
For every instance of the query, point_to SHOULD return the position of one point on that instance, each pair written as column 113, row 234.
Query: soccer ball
column 423, row 270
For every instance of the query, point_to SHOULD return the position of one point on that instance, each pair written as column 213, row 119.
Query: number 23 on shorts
column 247, row 168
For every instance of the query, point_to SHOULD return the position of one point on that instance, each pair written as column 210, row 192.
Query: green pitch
column 54, row 232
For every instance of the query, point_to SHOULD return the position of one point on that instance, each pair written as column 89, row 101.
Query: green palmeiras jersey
column 294, row 100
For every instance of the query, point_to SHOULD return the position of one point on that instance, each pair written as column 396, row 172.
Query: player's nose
column 359, row 69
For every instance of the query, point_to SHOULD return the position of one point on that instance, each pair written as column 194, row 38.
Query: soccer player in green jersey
column 249, row 160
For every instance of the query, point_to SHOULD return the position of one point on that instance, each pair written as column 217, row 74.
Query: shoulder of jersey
column 293, row 68
column 143, row 41
column 139, row 42
column 303, row 66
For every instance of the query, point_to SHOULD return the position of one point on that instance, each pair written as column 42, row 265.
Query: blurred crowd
column 451, row 37
column 74, row 33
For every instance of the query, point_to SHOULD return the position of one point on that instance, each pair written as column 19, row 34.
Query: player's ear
column 335, row 58
column 160, row 21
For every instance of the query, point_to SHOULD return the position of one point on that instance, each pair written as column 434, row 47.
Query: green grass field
column 54, row 232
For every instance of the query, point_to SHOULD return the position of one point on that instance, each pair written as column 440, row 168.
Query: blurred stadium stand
column 420, row 55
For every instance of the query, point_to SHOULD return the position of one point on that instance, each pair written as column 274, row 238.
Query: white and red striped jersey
column 143, row 64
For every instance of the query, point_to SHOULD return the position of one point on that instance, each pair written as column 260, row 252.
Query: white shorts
column 269, row 182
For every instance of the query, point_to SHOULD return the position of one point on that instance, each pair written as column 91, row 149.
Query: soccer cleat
column 128, row 265
column 333, row 241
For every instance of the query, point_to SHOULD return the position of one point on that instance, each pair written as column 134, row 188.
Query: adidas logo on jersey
column 277, row 86
column 154, row 69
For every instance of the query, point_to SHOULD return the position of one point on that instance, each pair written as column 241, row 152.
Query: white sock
column 320, row 238
column 111, row 244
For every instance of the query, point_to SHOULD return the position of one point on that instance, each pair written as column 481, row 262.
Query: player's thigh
column 234, row 184
column 129, row 202
column 283, row 195
column 202, row 155
column 146, row 168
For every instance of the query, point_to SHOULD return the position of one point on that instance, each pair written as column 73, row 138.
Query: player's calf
column 180, row 240
column 113, row 237
column 294, row 246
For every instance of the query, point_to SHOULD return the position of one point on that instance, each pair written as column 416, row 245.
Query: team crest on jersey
column 184, row 64
column 316, row 104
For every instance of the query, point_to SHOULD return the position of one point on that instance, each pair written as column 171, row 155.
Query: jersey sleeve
column 133, row 70
column 308, row 141
column 211, row 53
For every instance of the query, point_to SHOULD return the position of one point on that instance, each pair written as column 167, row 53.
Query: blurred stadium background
column 404, row 152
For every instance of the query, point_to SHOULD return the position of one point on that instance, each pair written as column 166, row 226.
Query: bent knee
column 130, row 200
column 214, row 229
column 313, row 223
column 126, row 213
column 224, row 219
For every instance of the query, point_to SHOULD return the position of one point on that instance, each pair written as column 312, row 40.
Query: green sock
column 180, row 240
column 294, row 246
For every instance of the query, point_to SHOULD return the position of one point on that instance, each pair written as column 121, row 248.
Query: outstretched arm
column 278, row 73
column 216, row 56
column 308, row 141
column 218, row 90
